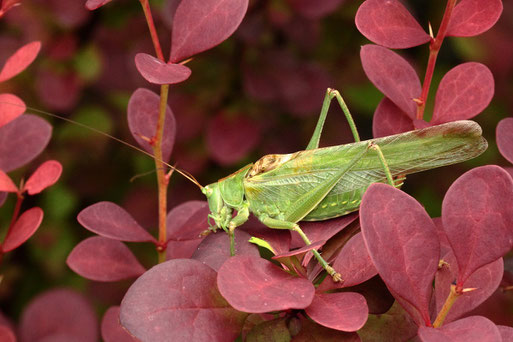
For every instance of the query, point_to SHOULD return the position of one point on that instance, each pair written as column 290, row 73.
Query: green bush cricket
column 322, row 183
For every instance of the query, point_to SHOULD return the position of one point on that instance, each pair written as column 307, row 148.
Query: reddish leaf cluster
column 22, row 138
column 474, row 233
column 464, row 91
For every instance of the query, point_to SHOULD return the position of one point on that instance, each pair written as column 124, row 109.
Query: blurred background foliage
column 259, row 92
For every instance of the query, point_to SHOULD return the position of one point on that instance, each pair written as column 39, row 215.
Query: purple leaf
column 142, row 115
column 199, row 25
column 353, row 263
column 6, row 183
column 185, row 223
column 45, row 175
column 475, row 218
column 102, row 259
column 506, row 332
column 11, row 106
column 252, row 284
column 214, row 250
column 485, row 280
column 279, row 239
column 392, row 75
column 21, row 140
column 158, row 72
column 20, row 60
column 6, row 334
column 469, row 329
column 504, row 134
column 94, row 4
column 464, row 92
column 178, row 300
column 389, row 120
column 313, row 9
column 388, row 23
column 472, row 17
column 402, row 242
column 323, row 230
column 112, row 331
column 110, row 220
column 345, row 311
column 313, row 332
column 25, row 226
column 231, row 138
column 59, row 312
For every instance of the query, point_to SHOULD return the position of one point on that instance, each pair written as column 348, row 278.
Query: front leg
column 280, row 224
column 241, row 217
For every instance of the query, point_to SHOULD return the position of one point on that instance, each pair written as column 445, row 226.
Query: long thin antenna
column 182, row 172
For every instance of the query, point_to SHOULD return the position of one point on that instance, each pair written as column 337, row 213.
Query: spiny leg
column 279, row 224
column 384, row 163
column 330, row 94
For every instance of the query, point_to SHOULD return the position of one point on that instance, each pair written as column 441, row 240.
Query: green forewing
column 273, row 191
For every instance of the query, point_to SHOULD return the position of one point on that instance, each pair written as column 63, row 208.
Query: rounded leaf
column 45, row 175
column 94, row 4
column 111, row 329
column 252, row 284
column 185, row 223
column 472, row 17
column 6, row 334
column 20, row 60
column 469, row 329
column 484, row 280
column 25, row 226
column 345, row 311
column 464, row 92
column 388, row 23
column 389, row 120
column 199, row 25
column 59, row 312
column 142, row 115
column 504, row 134
column 393, row 76
column 158, row 72
column 6, row 183
column 402, row 241
column 11, row 106
column 101, row 259
column 21, row 140
column 110, row 220
column 214, row 250
column 178, row 300
column 353, row 263
column 476, row 220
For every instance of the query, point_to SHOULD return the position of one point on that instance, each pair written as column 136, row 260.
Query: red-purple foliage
column 402, row 242
column 193, row 18
column 11, row 106
column 470, row 329
column 47, row 174
column 111, row 329
column 504, row 134
column 19, row 61
column 58, row 315
column 142, row 115
column 179, row 300
column 156, row 71
column 103, row 259
column 24, row 227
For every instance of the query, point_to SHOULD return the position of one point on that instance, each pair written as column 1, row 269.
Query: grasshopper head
column 219, row 211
